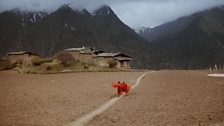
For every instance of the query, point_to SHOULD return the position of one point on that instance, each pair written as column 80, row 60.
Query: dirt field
column 55, row 99
column 170, row 98
column 163, row 98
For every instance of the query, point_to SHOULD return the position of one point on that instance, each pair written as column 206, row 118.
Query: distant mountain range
column 191, row 42
column 47, row 33
column 195, row 41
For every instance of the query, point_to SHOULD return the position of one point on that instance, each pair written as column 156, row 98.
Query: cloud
column 152, row 13
column 32, row 5
column 134, row 13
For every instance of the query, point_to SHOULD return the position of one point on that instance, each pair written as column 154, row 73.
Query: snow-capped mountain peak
column 141, row 30
column 104, row 10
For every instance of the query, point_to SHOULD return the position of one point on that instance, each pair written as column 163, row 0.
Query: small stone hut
column 23, row 58
column 122, row 60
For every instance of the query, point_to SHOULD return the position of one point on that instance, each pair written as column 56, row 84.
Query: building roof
column 86, row 52
column 122, row 58
column 21, row 53
column 107, row 54
column 112, row 55
column 98, row 51
column 78, row 49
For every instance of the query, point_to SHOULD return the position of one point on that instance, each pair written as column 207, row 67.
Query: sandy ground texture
column 169, row 98
column 54, row 99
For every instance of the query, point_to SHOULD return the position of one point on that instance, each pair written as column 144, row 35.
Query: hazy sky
column 134, row 13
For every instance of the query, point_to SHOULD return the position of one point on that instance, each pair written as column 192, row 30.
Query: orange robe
column 121, row 88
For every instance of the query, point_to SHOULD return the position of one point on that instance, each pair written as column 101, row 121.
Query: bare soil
column 54, row 99
column 163, row 98
column 170, row 98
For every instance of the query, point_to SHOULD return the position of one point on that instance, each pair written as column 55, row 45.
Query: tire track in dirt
column 89, row 116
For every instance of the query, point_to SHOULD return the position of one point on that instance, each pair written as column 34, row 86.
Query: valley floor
column 165, row 98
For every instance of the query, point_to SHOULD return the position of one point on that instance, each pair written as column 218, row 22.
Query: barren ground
column 170, row 98
column 164, row 98
column 54, row 99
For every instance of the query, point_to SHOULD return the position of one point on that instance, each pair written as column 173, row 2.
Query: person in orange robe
column 121, row 87
column 125, row 87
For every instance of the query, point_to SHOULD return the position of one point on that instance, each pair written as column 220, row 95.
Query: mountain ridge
column 67, row 28
column 193, row 42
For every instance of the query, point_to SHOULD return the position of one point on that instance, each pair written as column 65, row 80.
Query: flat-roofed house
column 122, row 60
column 22, row 58
column 84, row 54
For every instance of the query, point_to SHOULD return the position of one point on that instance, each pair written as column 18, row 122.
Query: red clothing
column 125, row 87
column 121, row 88
column 115, row 85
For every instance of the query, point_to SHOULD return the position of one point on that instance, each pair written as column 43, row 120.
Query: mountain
column 47, row 33
column 143, row 30
column 193, row 42
column 167, row 28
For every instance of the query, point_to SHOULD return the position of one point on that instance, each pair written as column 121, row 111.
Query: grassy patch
column 57, row 67
column 39, row 61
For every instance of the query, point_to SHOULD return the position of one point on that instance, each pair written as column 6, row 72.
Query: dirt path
column 54, row 99
column 164, row 98
column 170, row 98
column 89, row 116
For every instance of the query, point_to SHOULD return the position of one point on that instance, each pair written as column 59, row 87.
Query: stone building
column 98, row 57
column 84, row 54
column 122, row 60
column 23, row 58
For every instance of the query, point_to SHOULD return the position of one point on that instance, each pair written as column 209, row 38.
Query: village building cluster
column 85, row 54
